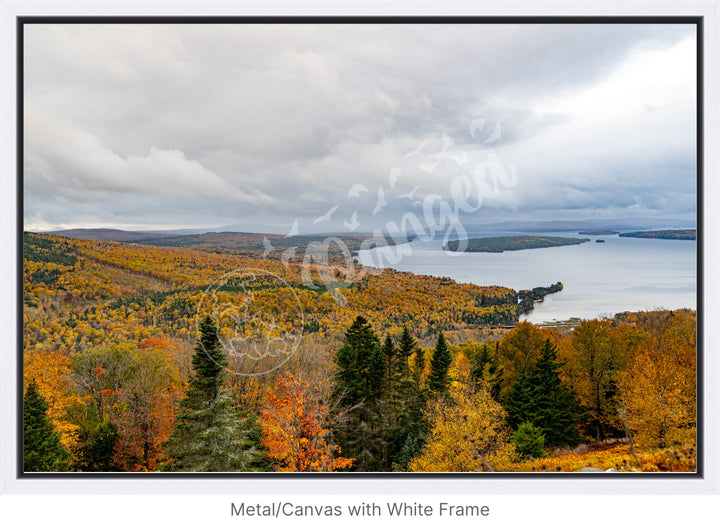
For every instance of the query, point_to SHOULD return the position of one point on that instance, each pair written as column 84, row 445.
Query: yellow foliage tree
column 468, row 434
column 519, row 350
column 145, row 411
column 659, row 388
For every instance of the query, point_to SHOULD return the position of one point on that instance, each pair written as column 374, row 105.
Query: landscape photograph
column 351, row 247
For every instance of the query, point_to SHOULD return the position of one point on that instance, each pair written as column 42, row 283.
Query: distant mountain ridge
column 114, row 235
column 246, row 241
column 232, row 236
column 228, row 240
column 585, row 224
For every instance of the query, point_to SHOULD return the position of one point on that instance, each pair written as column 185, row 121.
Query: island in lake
column 663, row 234
column 498, row 244
column 598, row 232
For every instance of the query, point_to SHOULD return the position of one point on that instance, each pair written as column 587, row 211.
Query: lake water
column 599, row 279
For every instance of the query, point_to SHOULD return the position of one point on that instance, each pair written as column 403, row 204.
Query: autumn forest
column 141, row 357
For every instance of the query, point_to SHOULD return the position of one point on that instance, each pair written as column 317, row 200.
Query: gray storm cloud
column 263, row 124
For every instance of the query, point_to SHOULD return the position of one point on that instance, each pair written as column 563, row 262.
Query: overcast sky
column 353, row 126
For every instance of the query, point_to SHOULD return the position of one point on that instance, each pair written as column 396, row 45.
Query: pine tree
column 213, row 439
column 419, row 366
column 360, row 395
column 554, row 403
column 408, row 427
column 376, row 379
column 208, row 364
column 95, row 443
column 520, row 400
column 486, row 370
column 210, row 435
column 390, row 354
column 406, row 347
column 538, row 395
column 438, row 379
column 495, row 381
column 42, row 450
column 389, row 404
column 478, row 364
column 529, row 440
column 97, row 448
column 412, row 427
column 357, row 363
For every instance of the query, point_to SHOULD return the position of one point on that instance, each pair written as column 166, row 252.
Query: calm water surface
column 622, row 274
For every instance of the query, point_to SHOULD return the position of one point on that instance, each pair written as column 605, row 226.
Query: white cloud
column 631, row 133
column 59, row 159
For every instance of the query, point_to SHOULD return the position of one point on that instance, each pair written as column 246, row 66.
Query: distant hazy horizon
column 523, row 226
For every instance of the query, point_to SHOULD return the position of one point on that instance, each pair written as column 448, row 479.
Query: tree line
column 383, row 404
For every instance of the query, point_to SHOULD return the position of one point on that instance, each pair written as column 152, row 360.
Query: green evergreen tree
column 208, row 365
column 376, row 379
column 406, row 438
column 97, row 453
column 478, row 365
column 529, row 440
column 412, row 427
column 412, row 447
column 360, row 395
column 520, row 400
column 215, row 438
column 555, row 407
column 357, row 363
column 390, row 354
column 95, row 441
column 406, row 347
column 210, row 435
column 485, row 369
column 540, row 397
column 390, row 405
column 438, row 379
column 419, row 366
column 42, row 449
column 495, row 378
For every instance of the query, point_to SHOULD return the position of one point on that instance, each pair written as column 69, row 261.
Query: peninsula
column 498, row 244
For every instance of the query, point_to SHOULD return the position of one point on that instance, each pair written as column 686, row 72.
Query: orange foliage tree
column 295, row 431
column 659, row 388
column 134, row 389
column 50, row 369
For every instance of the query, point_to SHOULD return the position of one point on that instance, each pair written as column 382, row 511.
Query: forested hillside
column 663, row 234
column 131, row 358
